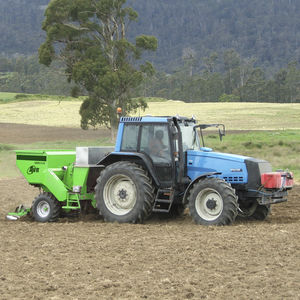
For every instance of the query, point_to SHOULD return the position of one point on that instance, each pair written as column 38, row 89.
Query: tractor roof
column 152, row 119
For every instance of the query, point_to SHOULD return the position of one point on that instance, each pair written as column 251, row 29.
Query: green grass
column 154, row 99
column 280, row 148
column 280, row 145
column 19, row 97
column 7, row 97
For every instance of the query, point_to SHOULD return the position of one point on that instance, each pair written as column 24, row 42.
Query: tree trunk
column 113, row 134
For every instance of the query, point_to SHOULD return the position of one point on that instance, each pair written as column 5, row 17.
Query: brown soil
column 23, row 134
column 163, row 259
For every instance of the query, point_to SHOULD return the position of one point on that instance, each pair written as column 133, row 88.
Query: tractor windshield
column 190, row 140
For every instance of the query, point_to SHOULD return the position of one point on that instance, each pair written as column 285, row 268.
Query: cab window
column 155, row 142
column 130, row 137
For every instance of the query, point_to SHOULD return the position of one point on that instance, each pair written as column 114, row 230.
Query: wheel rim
column 43, row 209
column 209, row 204
column 120, row 195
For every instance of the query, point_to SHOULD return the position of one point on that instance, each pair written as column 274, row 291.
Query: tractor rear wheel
column 45, row 208
column 124, row 193
column 212, row 201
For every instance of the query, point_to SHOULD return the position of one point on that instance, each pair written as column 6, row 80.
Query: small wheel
column 247, row 208
column 261, row 212
column 45, row 208
column 212, row 201
column 251, row 210
column 124, row 193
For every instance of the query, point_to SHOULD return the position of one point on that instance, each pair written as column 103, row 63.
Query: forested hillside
column 20, row 25
column 267, row 30
column 209, row 50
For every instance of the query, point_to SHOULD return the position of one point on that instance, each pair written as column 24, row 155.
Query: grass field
column 274, row 136
column 236, row 116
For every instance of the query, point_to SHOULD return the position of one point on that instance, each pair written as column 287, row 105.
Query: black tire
column 247, row 208
column 124, row 193
column 177, row 210
column 45, row 208
column 261, row 212
column 212, row 201
column 251, row 210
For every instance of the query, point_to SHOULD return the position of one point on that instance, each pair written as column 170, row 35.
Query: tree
column 253, row 87
column 293, row 81
column 232, row 63
column 89, row 36
column 189, row 58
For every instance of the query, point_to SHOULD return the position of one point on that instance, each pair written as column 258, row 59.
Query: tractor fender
column 138, row 158
column 196, row 180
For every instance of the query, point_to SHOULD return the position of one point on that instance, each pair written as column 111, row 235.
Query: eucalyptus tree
column 90, row 37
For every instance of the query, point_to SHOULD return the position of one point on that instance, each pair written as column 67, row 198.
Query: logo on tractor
column 32, row 169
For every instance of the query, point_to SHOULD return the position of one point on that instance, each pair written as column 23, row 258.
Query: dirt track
column 162, row 259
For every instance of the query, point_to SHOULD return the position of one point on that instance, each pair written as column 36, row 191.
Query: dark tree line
column 25, row 75
column 268, row 30
column 239, row 80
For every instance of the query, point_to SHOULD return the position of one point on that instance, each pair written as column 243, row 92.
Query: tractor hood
column 233, row 168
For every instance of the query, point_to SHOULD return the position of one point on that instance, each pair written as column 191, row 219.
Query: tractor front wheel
column 212, row 201
column 124, row 193
column 45, row 208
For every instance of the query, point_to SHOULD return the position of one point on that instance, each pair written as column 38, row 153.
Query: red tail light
column 277, row 180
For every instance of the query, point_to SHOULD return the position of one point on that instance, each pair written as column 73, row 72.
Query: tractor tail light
column 277, row 180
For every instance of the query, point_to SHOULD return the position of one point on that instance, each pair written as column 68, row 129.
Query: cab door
column 155, row 142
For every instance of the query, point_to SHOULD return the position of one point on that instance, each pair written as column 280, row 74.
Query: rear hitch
column 19, row 212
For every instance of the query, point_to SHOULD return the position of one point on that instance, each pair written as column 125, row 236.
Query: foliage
column 228, row 98
column 90, row 37
column 25, row 75
column 267, row 30
column 240, row 81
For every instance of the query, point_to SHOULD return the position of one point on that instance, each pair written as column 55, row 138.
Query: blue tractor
column 160, row 164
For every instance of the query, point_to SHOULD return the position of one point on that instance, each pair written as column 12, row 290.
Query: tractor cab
column 161, row 141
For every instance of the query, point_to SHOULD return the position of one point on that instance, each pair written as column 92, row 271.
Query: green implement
column 64, row 178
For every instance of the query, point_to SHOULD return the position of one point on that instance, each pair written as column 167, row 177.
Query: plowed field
column 161, row 259
column 164, row 258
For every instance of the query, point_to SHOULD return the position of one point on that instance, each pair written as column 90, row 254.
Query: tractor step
column 72, row 204
column 163, row 200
